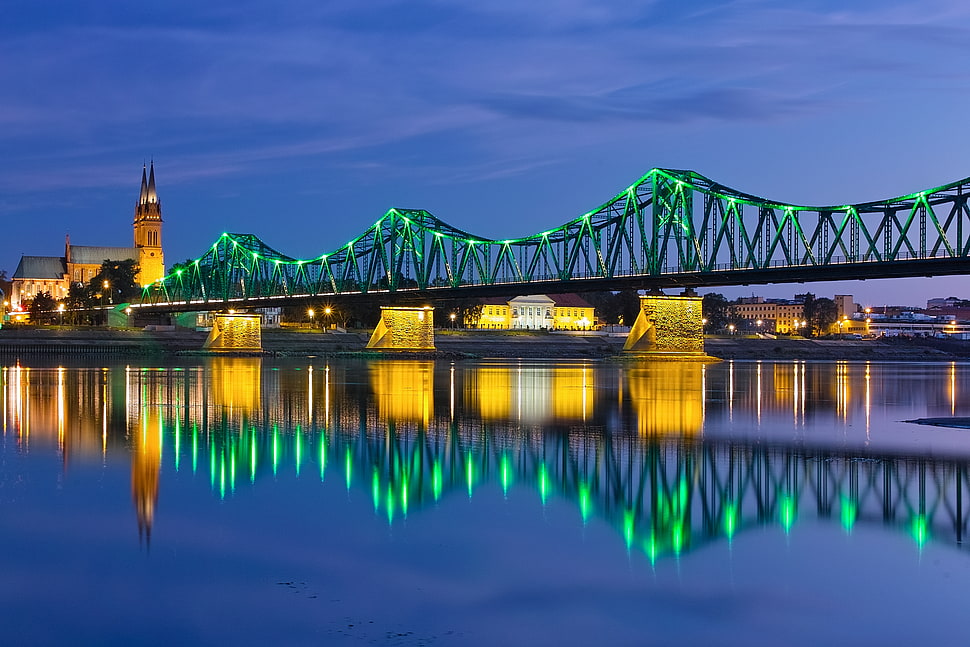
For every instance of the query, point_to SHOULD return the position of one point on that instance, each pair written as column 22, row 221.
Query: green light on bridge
column 323, row 456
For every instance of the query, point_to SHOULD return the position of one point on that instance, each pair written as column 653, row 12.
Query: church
column 80, row 263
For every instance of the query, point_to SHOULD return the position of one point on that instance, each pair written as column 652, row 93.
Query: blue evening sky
column 303, row 121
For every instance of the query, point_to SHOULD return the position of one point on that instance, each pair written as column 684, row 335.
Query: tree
column 819, row 313
column 467, row 312
column 116, row 281
column 42, row 307
column 718, row 311
column 6, row 285
column 627, row 306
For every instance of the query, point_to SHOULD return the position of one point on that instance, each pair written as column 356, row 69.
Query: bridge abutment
column 235, row 332
column 668, row 327
column 404, row 329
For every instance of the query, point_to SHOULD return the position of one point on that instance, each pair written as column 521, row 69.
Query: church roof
column 40, row 267
column 96, row 255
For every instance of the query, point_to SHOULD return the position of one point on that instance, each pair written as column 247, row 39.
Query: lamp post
column 104, row 297
column 731, row 329
column 309, row 314
column 452, row 316
column 704, row 326
column 327, row 311
column 60, row 314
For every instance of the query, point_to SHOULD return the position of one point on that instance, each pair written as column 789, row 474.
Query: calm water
column 246, row 501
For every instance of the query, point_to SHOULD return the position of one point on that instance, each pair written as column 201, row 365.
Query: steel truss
column 670, row 228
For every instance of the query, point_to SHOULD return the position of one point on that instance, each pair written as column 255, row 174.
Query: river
column 406, row 502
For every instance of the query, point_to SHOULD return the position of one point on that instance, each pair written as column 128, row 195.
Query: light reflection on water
column 671, row 457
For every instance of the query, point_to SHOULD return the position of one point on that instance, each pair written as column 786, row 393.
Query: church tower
column 148, row 230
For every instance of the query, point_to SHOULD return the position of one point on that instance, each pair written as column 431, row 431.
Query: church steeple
column 148, row 229
column 151, row 195
column 143, row 196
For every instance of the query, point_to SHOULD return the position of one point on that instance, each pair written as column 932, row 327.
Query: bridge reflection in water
column 628, row 445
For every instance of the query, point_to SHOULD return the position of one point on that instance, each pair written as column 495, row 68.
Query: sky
column 303, row 121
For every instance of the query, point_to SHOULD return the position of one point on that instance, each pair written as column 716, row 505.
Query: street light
column 452, row 317
column 60, row 314
column 731, row 329
column 327, row 312
column 309, row 313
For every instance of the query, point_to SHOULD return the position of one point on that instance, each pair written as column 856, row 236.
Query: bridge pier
column 668, row 327
column 235, row 332
column 404, row 329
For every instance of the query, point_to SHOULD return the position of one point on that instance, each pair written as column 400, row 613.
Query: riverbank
column 54, row 341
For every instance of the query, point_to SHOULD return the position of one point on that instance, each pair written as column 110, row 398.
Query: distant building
column 536, row 312
column 776, row 315
column 55, row 274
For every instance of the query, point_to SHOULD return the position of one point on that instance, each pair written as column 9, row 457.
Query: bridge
column 670, row 229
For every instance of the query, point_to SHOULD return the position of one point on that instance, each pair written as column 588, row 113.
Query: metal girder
column 649, row 235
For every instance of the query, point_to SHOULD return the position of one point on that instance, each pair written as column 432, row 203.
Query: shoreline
column 461, row 344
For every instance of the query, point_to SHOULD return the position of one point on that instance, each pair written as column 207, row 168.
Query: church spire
column 143, row 196
column 151, row 196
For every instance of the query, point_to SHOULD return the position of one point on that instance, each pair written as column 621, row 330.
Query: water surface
column 248, row 501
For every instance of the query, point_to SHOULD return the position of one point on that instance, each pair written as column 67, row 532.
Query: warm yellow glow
column 404, row 390
column 327, row 311
column 309, row 313
column 667, row 397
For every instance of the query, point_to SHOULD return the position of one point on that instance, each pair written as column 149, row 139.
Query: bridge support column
column 235, row 332
column 403, row 328
column 668, row 327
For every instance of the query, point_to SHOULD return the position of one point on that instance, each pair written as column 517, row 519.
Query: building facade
column 536, row 312
column 776, row 315
column 80, row 263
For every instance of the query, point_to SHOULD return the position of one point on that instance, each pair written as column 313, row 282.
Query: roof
column 570, row 300
column 494, row 301
column 97, row 255
column 40, row 267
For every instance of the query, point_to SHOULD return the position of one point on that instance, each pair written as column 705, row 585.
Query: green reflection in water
column 505, row 474
column 585, row 502
column 919, row 528
column 661, row 492
column 787, row 512
column 730, row 519
column 849, row 511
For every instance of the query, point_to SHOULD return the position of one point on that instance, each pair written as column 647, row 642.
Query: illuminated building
column 536, row 312
column 80, row 263
column 776, row 315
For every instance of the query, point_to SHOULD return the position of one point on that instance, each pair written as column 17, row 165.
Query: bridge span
column 672, row 229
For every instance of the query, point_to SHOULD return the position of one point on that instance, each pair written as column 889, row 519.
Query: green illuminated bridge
column 670, row 229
